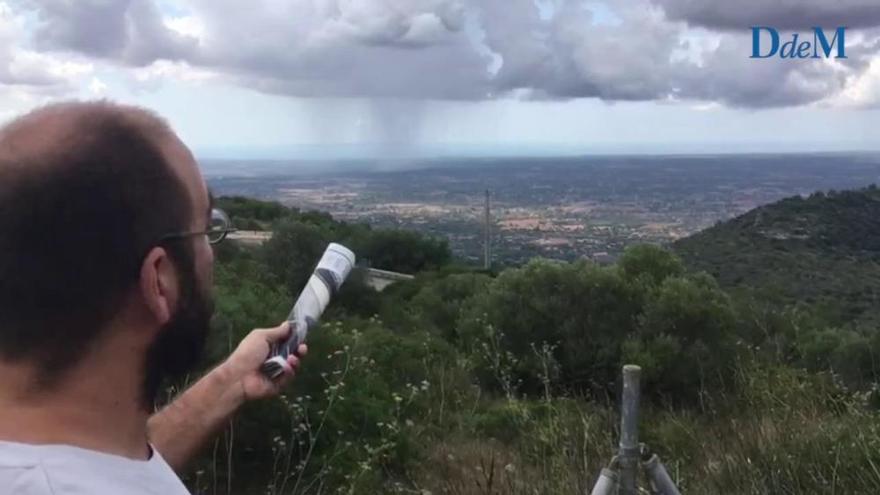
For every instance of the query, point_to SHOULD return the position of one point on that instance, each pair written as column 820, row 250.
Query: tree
column 581, row 311
column 293, row 252
column 686, row 339
column 401, row 250
column 439, row 303
column 650, row 263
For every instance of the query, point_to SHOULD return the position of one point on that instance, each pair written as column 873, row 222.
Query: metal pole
column 606, row 484
column 629, row 431
column 487, row 233
column 660, row 479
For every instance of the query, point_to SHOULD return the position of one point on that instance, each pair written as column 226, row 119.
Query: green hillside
column 821, row 251
column 470, row 382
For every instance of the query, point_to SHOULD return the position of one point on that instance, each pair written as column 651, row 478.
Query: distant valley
column 564, row 208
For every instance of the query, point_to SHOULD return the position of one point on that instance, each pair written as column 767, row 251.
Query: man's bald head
column 85, row 190
column 63, row 127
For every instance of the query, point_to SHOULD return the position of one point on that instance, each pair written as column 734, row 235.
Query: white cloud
column 162, row 71
column 97, row 87
column 863, row 90
column 188, row 26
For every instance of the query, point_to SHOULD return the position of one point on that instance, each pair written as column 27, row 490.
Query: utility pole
column 487, row 231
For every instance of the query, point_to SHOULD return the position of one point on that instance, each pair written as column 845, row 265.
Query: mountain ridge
column 822, row 251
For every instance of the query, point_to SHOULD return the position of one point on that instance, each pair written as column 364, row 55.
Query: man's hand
column 180, row 429
column 242, row 368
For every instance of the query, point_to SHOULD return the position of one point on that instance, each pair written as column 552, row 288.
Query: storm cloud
column 632, row 50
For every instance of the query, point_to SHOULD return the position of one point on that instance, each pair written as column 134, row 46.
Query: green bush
column 686, row 341
column 574, row 324
column 293, row 252
column 649, row 264
column 439, row 304
column 364, row 404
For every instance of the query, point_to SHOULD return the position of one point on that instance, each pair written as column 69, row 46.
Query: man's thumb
column 277, row 333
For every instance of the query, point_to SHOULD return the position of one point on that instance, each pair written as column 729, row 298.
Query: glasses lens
column 220, row 226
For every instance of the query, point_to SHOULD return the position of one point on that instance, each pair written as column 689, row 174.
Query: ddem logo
column 818, row 47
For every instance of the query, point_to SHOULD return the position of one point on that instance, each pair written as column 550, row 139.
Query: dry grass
column 788, row 433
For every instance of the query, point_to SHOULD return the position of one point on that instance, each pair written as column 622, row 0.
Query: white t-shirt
column 64, row 470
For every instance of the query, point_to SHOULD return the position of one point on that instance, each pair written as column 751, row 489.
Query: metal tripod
column 621, row 475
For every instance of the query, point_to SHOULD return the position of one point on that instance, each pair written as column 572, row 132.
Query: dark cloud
column 130, row 31
column 728, row 77
column 382, row 48
column 20, row 69
column 782, row 14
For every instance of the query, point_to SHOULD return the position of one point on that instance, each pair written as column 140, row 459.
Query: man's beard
column 181, row 342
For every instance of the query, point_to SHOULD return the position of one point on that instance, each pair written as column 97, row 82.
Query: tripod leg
column 660, row 481
column 606, row 484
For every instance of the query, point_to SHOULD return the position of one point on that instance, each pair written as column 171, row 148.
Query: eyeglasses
column 220, row 227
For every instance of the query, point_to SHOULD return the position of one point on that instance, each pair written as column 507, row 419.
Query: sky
column 349, row 78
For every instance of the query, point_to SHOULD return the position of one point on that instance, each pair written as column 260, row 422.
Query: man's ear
column 158, row 284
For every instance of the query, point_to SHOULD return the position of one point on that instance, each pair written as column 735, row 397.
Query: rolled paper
column 325, row 282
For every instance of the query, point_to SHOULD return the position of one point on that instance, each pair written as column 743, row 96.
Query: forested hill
column 822, row 251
